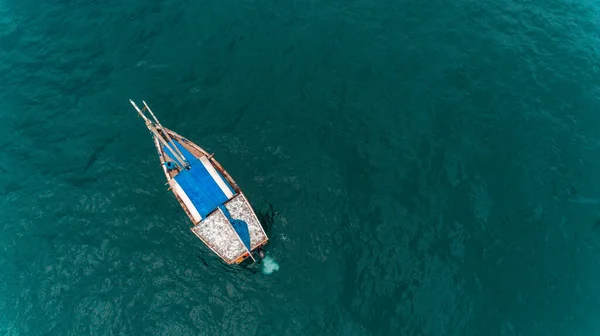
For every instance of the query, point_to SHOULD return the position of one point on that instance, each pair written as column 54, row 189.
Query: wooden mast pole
column 152, row 129
column 165, row 132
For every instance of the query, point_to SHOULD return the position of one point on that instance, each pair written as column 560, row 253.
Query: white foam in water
column 269, row 265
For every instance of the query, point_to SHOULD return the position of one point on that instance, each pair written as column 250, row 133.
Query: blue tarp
column 190, row 157
column 205, row 193
column 241, row 228
column 199, row 185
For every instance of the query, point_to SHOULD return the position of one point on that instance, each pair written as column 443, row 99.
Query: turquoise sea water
column 423, row 168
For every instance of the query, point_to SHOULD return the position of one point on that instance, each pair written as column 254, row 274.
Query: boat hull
column 213, row 226
column 221, row 215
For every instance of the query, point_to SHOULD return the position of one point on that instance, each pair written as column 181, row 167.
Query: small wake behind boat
column 222, row 216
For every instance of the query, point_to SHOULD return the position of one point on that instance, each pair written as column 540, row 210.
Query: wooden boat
column 221, row 215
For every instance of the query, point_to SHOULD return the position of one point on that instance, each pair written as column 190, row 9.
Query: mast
column 166, row 134
column 182, row 163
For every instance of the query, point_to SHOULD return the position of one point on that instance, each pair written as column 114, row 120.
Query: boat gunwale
column 164, row 157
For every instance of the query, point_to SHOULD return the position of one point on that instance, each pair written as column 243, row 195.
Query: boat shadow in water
column 267, row 217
